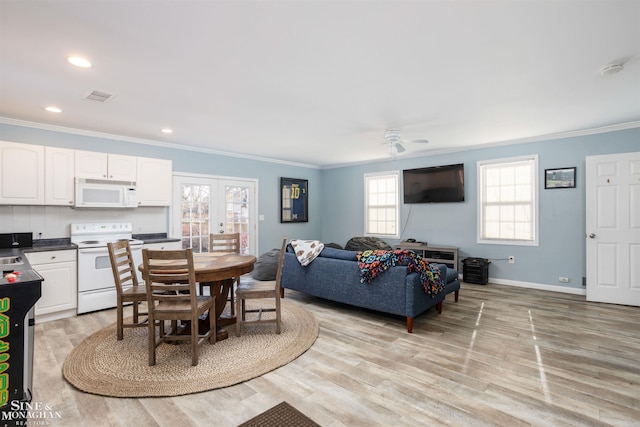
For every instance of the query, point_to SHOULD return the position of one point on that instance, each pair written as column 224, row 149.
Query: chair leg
column 278, row 315
column 195, row 336
column 457, row 294
column 239, row 318
column 135, row 312
column 119, row 321
column 213, row 327
column 152, row 341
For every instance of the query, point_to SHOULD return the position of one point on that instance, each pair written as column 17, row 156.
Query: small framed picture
column 560, row 178
column 294, row 202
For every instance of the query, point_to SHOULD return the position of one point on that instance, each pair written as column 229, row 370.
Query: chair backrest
column 169, row 276
column 281, row 263
column 224, row 242
column 122, row 265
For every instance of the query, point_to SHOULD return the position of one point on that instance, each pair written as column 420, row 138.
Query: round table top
column 215, row 266
column 220, row 261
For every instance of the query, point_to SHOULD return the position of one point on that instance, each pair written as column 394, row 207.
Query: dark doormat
column 281, row 415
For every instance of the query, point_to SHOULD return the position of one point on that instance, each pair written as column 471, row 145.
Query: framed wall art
column 294, row 200
column 560, row 178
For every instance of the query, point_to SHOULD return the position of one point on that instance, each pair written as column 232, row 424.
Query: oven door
column 96, row 286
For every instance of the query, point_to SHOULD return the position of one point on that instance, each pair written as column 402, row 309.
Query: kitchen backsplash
column 54, row 221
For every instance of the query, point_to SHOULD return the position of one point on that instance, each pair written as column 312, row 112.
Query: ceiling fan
column 395, row 142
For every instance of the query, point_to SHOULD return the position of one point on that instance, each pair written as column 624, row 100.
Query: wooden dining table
column 218, row 270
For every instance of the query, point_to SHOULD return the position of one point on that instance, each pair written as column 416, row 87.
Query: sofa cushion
column 266, row 266
column 339, row 254
column 365, row 243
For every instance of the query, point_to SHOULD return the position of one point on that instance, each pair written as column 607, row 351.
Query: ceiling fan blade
column 400, row 148
column 420, row 141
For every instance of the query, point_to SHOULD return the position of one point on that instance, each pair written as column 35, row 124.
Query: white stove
column 95, row 235
column 96, row 285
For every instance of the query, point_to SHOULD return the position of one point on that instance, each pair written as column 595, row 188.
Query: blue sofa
column 334, row 275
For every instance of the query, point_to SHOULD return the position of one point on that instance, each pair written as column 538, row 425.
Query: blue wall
column 561, row 251
column 336, row 202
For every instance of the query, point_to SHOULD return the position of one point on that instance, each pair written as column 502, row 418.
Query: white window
column 508, row 201
column 381, row 204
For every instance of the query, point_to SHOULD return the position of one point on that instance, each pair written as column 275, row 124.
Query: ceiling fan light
column 393, row 150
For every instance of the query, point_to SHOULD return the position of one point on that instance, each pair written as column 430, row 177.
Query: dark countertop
column 50, row 245
column 154, row 238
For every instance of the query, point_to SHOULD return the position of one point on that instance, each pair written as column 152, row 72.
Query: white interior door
column 204, row 205
column 613, row 228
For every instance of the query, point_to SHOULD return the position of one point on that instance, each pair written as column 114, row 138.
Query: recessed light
column 167, row 130
column 79, row 61
column 53, row 109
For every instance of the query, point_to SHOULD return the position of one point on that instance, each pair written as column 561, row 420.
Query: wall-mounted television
column 436, row 184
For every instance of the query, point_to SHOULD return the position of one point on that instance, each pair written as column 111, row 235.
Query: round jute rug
column 103, row 365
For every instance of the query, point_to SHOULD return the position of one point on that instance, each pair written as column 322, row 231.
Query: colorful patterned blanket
column 374, row 262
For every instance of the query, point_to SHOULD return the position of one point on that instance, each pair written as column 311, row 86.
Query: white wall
column 54, row 221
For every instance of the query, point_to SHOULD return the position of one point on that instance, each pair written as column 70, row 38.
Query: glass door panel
column 238, row 212
column 214, row 205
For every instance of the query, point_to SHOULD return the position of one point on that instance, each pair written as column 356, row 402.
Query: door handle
column 592, row 236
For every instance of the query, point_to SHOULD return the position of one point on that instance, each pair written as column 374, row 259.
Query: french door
column 203, row 205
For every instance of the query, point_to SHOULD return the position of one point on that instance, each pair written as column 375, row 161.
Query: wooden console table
column 447, row 255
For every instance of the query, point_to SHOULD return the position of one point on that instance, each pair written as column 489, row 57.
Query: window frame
column 386, row 174
column 535, row 202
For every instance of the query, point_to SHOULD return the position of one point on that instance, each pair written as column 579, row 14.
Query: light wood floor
column 501, row 356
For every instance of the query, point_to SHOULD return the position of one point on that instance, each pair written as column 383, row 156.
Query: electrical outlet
column 512, row 259
column 563, row 279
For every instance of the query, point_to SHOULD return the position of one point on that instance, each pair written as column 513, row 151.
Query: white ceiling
column 318, row 82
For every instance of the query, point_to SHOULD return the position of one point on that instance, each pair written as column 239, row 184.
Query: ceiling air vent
column 98, row 95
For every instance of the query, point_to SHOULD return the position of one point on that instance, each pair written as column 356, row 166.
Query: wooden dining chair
column 128, row 289
column 171, row 294
column 260, row 290
column 229, row 243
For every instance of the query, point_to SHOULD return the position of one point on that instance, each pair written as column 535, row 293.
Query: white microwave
column 102, row 193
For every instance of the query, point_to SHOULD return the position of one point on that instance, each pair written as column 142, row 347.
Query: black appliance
column 475, row 270
column 17, row 323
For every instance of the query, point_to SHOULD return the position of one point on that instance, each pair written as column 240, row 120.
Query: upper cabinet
column 21, row 174
column 91, row 164
column 59, row 176
column 154, row 182
column 43, row 175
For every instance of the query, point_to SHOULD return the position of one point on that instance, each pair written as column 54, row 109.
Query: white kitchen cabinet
column 117, row 167
column 164, row 246
column 59, row 176
column 60, row 286
column 154, row 182
column 21, row 174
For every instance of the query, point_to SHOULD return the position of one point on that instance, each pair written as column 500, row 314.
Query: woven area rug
column 103, row 365
column 281, row 415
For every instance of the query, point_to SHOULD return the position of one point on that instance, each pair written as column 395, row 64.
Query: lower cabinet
column 60, row 286
column 164, row 246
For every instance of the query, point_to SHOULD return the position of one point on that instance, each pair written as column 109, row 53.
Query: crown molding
column 538, row 138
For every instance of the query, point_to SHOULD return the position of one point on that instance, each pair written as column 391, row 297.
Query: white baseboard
column 540, row 286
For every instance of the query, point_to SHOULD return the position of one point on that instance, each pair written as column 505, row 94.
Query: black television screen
column 437, row 184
